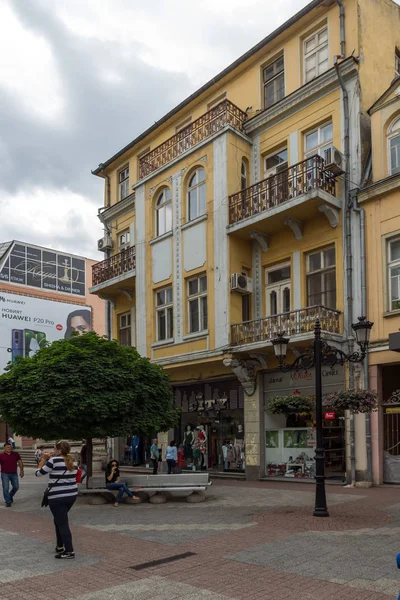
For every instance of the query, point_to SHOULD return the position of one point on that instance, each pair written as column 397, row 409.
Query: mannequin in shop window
column 239, row 447
column 188, row 440
column 228, row 454
column 135, row 443
column 202, row 437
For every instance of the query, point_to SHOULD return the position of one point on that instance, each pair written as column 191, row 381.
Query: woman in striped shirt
column 63, row 490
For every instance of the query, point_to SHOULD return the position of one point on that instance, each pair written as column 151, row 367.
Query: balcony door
column 278, row 299
column 276, row 174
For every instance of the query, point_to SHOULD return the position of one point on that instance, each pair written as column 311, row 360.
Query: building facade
column 231, row 220
column 43, row 297
column 380, row 202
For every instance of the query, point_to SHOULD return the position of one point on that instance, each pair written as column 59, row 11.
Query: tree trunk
column 89, row 458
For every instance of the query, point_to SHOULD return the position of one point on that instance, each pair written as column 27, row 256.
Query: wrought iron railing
column 291, row 183
column 116, row 265
column 211, row 122
column 292, row 323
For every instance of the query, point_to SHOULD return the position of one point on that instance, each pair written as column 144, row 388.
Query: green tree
column 86, row 387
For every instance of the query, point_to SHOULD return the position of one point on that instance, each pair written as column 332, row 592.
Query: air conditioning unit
column 334, row 160
column 105, row 243
column 240, row 283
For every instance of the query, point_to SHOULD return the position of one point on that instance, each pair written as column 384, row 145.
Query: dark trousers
column 60, row 508
column 155, row 466
column 171, row 464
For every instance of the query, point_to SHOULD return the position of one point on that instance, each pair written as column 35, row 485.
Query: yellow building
column 230, row 220
column 380, row 201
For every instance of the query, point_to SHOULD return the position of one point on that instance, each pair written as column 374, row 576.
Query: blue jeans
column 6, row 479
column 122, row 488
column 171, row 464
column 84, row 474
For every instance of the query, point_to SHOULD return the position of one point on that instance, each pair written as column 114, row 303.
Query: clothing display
column 135, row 443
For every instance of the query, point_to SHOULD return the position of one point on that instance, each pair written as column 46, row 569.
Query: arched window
column 197, row 194
column 164, row 212
column 244, row 175
column 394, row 147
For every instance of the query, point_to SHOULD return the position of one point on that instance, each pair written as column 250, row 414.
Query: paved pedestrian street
column 247, row 541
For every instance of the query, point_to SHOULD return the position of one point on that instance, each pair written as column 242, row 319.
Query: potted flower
column 291, row 403
column 358, row 401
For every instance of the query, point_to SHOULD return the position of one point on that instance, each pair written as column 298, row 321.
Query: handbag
column 45, row 499
column 79, row 474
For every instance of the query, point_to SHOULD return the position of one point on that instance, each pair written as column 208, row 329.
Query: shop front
column 290, row 438
column 210, row 435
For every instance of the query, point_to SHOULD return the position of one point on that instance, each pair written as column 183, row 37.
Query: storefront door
column 391, row 423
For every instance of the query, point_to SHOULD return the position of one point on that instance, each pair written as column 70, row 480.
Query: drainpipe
column 361, row 212
column 108, row 253
column 347, row 230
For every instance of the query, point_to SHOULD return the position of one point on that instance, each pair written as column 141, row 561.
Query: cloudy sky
column 79, row 79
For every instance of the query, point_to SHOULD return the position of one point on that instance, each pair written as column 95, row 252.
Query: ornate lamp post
column 319, row 355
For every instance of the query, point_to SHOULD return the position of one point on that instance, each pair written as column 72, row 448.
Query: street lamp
column 317, row 355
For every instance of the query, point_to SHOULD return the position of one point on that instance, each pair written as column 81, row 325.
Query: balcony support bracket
column 245, row 371
column 331, row 213
column 127, row 292
column 261, row 238
column 295, row 226
column 109, row 299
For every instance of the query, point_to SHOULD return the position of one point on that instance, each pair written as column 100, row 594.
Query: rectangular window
column 316, row 57
column 124, row 334
column 197, row 299
column 124, row 239
column 394, row 273
column 321, row 278
column 318, row 140
column 124, row 183
column 164, row 314
column 274, row 82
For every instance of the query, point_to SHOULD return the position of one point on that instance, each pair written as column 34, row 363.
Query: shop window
column 124, row 332
column 316, row 54
column 321, row 278
column 163, row 212
column 197, row 299
column 164, row 314
column 394, row 147
column 124, row 240
column 318, row 140
column 394, row 274
column 274, row 82
column 197, row 194
column 123, row 179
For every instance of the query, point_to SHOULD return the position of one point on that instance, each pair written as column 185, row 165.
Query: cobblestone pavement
column 249, row 541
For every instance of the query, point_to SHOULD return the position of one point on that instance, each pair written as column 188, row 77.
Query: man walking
column 83, row 459
column 9, row 460
column 154, row 455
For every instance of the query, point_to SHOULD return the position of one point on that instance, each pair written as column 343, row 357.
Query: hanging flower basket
column 358, row 401
column 291, row 404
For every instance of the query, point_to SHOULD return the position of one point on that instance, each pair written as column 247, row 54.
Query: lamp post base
column 320, row 512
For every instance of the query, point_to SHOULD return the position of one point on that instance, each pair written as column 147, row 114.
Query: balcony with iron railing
column 114, row 269
column 213, row 121
column 294, row 323
column 306, row 180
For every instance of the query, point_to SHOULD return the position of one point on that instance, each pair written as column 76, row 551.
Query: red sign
column 59, row 327
column 329, row 416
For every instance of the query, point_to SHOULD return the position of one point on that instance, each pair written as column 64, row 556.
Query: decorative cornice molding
column 322, row 85
column 245, row 371
column 383, row 186
column 109, row 214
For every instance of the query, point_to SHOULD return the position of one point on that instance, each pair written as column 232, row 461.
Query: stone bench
column 154, row 488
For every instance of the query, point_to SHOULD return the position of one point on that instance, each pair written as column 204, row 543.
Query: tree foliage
column 86, row 387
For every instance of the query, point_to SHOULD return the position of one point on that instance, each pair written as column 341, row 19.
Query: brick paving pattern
column 250, row 541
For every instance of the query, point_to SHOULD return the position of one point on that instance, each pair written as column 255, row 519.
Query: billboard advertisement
column 42, row 268
column 27, row 324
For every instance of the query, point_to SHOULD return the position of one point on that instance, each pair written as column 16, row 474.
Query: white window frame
column 124, row 239
column 196, row 187
column 392, row 264
column 393, row 133
column 125, row 325
column 123, row 183
column 162, row 207
column 397, row 63
column 321, row 146
column 197, row 297
column 321, row 271
column 273, row 79
column 167, row 311
column 315, row 52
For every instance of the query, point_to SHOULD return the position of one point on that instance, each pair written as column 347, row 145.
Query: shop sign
column 394, row 409
column 329, row 416
column 200, row 405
